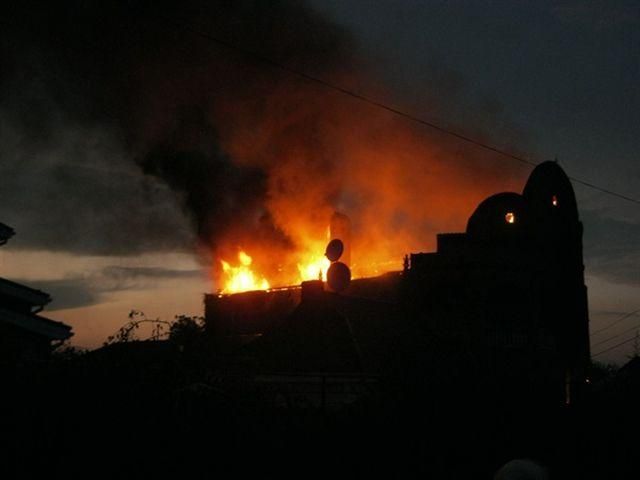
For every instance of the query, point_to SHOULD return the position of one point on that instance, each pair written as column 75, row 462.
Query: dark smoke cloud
column 157, row 273
column 122, row 115
column 91, row 288
column 89, row 86
column 79, row 193
column 68, row 292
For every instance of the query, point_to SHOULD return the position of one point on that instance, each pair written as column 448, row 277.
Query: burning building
column 502, row 306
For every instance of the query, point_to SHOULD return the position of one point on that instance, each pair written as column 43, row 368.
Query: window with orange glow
column 510, row 217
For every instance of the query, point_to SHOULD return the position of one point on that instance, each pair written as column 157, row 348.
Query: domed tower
column 509, row 291
column 501, row 217
column 557, row 239
column 553, row 208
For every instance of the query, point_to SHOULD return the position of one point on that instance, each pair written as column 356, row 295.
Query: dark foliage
column 142, row 408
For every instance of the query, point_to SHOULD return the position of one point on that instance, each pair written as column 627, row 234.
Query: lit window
column 554, row 201
column 510, row 217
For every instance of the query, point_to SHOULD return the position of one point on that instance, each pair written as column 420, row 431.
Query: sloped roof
column 24, row 293
column 36, row 324
column 6, row 232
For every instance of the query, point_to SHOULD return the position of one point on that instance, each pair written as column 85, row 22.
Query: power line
column 614, row 347
column 280, row 66
column 603, row 190
column 623, row 317
column 606, row 340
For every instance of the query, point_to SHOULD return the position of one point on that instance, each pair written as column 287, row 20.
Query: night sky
column 106, row 222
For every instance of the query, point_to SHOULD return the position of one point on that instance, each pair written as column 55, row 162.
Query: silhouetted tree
column 186, row 331
column 601, row 372
column 127, row 333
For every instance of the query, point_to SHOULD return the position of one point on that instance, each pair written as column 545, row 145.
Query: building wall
column 19, row 346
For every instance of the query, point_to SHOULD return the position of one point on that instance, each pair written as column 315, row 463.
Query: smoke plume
column 257, row 157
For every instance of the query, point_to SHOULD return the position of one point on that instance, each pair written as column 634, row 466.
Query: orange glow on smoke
column 241, row 278
column 400, row 185
column 316, row 152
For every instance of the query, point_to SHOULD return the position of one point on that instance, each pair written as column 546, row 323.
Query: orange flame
column 314, row 268
column 241, row 278
column 306, row 263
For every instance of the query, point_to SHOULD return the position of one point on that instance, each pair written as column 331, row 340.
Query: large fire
column 243, row 276
column 314, row 269
column 261, row 159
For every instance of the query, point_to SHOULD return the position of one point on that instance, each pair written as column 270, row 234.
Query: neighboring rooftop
column 28, row 295
column 36, row 324
column 19, row 305
column 6, row 232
